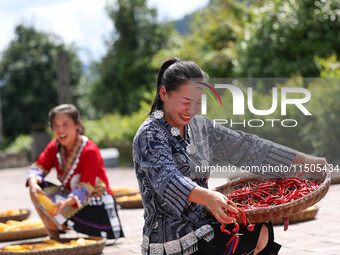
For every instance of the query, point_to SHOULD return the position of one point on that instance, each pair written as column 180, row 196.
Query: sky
column 82, row 22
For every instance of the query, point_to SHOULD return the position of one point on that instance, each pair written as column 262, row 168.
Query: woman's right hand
column 215, row 201
column 219, row 207
column 34, row 188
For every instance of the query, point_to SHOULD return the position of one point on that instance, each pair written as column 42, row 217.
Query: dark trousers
column 246, row 245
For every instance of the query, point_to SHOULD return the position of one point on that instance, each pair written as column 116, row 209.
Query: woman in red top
column 84, row 199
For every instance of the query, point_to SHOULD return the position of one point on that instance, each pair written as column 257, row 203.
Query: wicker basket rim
column 22, row 234
column 324, row 186
column 100, row 242
column 299, row 216
column 20, row 216
column 129, row 204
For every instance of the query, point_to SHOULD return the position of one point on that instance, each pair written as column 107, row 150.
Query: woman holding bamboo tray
column 84, row 201
column 168, row 146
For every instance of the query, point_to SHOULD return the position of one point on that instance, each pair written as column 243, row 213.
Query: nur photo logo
column 204, row 96
column 243, row 99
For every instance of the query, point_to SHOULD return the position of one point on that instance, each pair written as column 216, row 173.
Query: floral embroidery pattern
column 175, row 131
column 35, row 172
column 158, row 114
column 69, row 158
column 76, row 161
column 80, row 194
column 191, row 149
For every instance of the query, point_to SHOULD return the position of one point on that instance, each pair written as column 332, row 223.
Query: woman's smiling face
column 65, row 130
column 181, row 105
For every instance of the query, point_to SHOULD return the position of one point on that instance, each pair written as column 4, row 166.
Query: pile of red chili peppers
column 273, row 192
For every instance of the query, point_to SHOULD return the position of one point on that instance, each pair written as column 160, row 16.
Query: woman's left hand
column 309, row 161
column 63, row 204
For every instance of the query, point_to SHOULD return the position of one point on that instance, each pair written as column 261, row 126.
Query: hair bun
column 167, row 63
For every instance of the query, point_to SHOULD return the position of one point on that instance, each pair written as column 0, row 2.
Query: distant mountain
column 182, row 25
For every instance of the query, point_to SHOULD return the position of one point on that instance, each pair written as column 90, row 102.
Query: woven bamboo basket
column 120, row 192
column 24, row 213
column 22, row 234
column 284, row 210
column 88, row 249
column 130, row 202
column 307, row 214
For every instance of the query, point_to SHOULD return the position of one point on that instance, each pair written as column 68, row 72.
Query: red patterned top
column 86, row 176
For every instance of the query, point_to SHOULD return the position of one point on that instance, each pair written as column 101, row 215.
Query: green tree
column 125, row 71
column 29, row 77
column 284, row 36
column 212, row 42
column 323, row 131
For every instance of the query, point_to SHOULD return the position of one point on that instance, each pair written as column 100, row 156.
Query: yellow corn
column 13, row 222
column 46, row 202
column 80, row 241
column 18, row 247
column 47, row 245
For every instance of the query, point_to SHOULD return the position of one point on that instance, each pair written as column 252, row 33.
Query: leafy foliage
column 284, row 37
column 260, row 38
column 21, row 143
column 212, row 43
column 125, row 72
column 28, row 74
column 322, row 132
column 115, row 130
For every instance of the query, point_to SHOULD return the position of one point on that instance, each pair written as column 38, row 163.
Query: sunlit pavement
column 318, row 236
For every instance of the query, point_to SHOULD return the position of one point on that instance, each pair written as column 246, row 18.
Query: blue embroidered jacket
column 165, row 168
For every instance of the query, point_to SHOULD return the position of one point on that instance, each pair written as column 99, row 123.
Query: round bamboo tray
column 22, row 234
column 308, row 214
column 130, row 202
column 120, row 192
column 24, row 213
column 284, row 210
column 87, row 249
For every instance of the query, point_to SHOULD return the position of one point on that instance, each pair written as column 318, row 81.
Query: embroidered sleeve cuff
column 80, row 194
column 280, row 155
column 35, row 172
column 76, row 198
column 176, row 192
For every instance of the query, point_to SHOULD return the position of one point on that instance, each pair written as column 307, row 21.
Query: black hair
column 71, row 111
column 172, row 74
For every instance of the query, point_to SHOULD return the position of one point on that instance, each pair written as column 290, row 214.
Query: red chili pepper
column 251, row 227
column 235, row 243
column 243, row 215
column 225, row 230
column 236, row 228
column 265, row 192
column 286, row 223
column 231, row 239
column 294, row 180
column 232, row 214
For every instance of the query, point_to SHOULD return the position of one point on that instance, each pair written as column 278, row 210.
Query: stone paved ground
column 319, row 236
